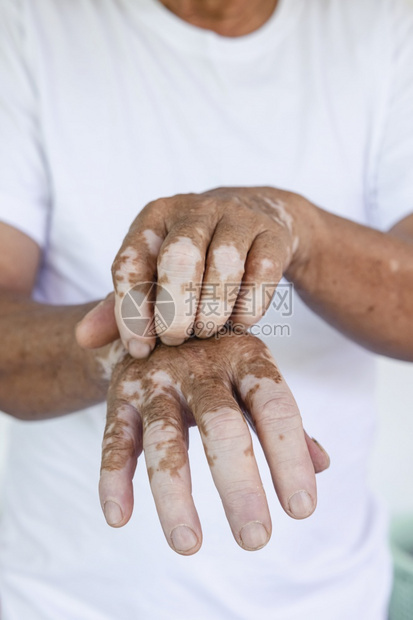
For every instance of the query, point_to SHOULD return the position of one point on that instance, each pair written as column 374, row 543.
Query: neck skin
column 229, row 18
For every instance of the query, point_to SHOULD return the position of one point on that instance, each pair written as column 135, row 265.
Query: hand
column 151, row 404
column 211, row 251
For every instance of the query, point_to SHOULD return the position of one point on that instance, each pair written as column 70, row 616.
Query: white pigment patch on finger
column 260, row 385
column 161, row 382
column 267, row 264
column 228, row 262
column 394, row 265
column 134, row 391
column 220, row 292
column 180, row 271
column 118, row 434
column 248, row 383
column 180, row 259
column 153, row 241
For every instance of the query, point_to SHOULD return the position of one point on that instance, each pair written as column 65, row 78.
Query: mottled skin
column 210, row 383
column 338, row 267
column 218, row 238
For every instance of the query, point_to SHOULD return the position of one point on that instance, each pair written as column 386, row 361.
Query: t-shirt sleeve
column 391, row 198
column 24, row 187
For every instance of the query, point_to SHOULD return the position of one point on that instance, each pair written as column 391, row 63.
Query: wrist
column 307, row 238
column 102, row 361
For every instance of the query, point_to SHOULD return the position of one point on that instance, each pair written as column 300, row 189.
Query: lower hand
column 211, row 383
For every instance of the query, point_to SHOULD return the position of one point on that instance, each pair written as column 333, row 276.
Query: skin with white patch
column 226, row 268
column 227, row 261
column 153, row 241
column 152, row 403
column 267, row 264
column 107, row 360
column 133, row 389
column 128, row 259
column 280, row 213
column 179, row 270
column 229, row 240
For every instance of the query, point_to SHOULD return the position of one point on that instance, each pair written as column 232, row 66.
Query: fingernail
column 323, row 450
column 183, row 539
column 113, row 513
column 254, row 536
column 301, row 504
column 138, row 349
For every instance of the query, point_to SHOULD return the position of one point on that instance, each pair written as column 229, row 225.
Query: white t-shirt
column 107, row 105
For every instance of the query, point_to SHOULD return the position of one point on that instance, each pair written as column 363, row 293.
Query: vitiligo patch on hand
column 176, row 387
column 207, row 250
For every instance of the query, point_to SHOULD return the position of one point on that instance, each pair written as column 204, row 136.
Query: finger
column 166, row 454
column 224, row 269
column 122, row 444
column 319, row 456
column 263, row 271
column 279, row 427
column 134, row 277
column 180, row 269
column 98, row 327
column 228, row 448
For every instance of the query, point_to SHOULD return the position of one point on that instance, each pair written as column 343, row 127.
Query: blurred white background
column 392, row 461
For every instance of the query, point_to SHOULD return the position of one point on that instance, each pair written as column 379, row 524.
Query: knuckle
column 259, row 263
column 225, row 427
column 158, row 205
column 119, row 445
column 179, row 257
column 169, row 492
column 228, row 256
column 241, row 494
column 161, row 431
column 292, row 463
column 278, row 414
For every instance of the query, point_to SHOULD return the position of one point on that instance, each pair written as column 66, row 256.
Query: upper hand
column 219, row 255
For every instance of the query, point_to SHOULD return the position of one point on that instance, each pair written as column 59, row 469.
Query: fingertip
column 254, row 536
column 301, row 504
column 82, row 334
column 113, row 513
column 184, row 540
column 116, row 499
column 325, row 461
column 138, row 349
column 319, row 456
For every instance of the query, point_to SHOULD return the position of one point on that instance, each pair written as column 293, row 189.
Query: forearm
column 358, row 279
column 43, row 372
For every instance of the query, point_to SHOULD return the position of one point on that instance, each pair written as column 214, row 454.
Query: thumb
column 98, row 327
